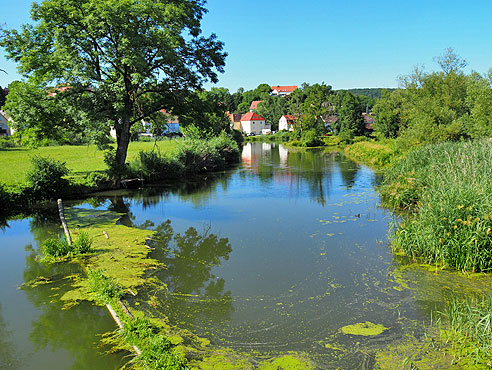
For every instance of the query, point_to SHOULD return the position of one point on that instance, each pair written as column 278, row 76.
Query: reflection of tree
column 74, row 330
column 7, row 354
column 348, row 171
column 189, row 259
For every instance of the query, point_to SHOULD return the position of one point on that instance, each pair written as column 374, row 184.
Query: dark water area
column 276, row 255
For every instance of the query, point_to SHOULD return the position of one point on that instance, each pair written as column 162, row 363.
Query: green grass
column 81, row 160
column 374, row 153
column 468, row 328
column 448, row 190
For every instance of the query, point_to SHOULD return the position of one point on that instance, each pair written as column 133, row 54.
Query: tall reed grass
column 469, row 330
column 448, row 190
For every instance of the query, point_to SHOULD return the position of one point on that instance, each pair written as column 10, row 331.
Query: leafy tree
column 350, row 122
column 388, row 112
column 39, row 115
column 272, row 108
column 124, row 60
column 203, row 115
column 316, row 106
column 3, row 97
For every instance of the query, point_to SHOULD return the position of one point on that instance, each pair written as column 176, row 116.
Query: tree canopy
column 123, row 59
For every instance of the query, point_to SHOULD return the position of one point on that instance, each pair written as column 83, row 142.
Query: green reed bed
column 469, row 331
column 448, row 190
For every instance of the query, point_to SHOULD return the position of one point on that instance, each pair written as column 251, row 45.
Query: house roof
column 170, row 118
column 289, row 117
column 251, row 116
column 2, row 113
column 284, row 88
column 234, row 117
column 254, row 104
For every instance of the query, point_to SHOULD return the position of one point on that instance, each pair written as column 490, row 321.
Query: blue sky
column 346, row 44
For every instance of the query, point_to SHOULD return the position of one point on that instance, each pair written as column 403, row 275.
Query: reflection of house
column 286, row 122
column 283, row 153
column 253, row 123
column 5, row 129
column 283, row 90
column 254, row 105
column 368, row 121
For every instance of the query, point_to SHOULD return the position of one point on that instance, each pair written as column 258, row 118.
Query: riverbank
column 49, row 178
column 442, row 192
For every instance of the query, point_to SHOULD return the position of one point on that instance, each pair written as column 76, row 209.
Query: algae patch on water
column 364, row 329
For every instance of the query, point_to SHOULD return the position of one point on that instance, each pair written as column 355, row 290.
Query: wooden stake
column 64, row 222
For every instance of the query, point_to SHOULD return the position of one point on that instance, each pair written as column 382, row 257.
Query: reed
column 447, row 189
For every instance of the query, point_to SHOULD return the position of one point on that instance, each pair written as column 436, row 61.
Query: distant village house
column 286, row 122
column 254, row 105
column 5, row 129
column 283, row 90
column 252, row 123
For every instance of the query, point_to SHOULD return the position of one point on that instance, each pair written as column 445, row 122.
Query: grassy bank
column 49, row 178
column 81, row 160
column 373, row 153
column 448, row 190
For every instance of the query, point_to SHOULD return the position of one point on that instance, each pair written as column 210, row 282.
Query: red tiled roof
column 290, row 117
column 284, row 88
column 254, row 104
column 170, row 118
column 251, row 116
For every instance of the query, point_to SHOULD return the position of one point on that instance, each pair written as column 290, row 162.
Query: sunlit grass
column 81, row 160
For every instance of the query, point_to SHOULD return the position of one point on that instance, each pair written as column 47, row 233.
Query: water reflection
column 8, row 357
column 189, row 258
column 55, row 329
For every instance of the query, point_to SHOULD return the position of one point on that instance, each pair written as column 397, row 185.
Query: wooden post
column 64, row 222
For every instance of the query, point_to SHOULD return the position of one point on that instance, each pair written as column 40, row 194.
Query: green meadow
column 81, row 160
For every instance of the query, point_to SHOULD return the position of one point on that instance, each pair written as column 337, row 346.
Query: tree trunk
column 122, row 139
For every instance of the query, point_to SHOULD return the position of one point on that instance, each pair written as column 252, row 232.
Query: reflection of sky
column 304, row 234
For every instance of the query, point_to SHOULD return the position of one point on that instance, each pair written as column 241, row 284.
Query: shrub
column 226, row 147
column 45, row 179
column 7, row 142
column 310, row 139
column 115, row 170
column 153, row 166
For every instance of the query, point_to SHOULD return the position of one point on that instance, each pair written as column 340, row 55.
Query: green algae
column 287, row 362
column 364, row 329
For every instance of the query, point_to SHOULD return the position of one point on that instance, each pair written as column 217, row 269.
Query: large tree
column 124, row 59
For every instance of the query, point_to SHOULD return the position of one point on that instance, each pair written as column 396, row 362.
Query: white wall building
column 286, row 122
column 5, row 129
column 253, row 123
column 283, row 90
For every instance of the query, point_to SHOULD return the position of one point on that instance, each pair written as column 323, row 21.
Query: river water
column 276, row 255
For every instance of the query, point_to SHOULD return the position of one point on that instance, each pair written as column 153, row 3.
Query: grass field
column 14, row 163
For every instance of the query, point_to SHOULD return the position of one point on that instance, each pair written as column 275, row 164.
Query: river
column 276, row 255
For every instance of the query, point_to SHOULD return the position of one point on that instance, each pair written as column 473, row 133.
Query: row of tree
column 443, row 105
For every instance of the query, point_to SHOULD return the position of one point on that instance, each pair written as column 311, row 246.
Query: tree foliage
column 438, row 106
column 124, row 59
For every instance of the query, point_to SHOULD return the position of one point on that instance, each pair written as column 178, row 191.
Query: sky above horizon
column 346, row 44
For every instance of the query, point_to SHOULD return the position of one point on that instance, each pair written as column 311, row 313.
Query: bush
column 6, row 142
column 116, row 171
column 310, row 139
column 45, row 179
column 153, row 166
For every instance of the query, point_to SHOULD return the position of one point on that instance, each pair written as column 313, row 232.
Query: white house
column 253, row 123
column 286, row 122
column 283, row 90
column 5, row 129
